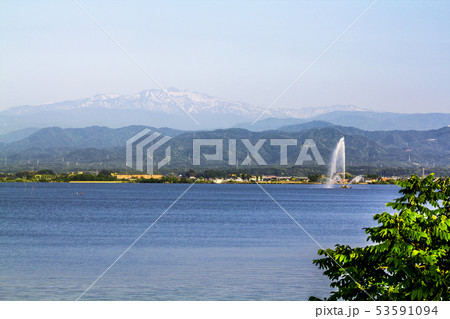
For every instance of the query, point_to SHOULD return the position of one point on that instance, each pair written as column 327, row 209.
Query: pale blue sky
column 397, row 58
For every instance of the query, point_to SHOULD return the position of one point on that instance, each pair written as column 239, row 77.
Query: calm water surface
column 218, row 242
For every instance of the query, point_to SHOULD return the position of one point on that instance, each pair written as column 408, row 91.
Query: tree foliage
column 408, row 258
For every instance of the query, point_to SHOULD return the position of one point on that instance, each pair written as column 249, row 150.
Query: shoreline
column 199, row 182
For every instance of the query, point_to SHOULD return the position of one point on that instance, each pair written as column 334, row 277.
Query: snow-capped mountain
column 150, row 107
column 148, row 100
column 158, row 100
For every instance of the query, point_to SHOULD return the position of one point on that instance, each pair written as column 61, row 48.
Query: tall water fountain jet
column 336, row 171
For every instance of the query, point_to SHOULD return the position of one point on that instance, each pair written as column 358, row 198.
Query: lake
column 218, row 242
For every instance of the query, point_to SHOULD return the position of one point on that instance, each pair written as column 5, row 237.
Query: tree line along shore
column 207, row 176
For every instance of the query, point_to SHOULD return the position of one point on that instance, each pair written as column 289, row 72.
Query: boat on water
column 345, row 186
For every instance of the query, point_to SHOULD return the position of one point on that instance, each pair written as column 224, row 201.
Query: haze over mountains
column 155, row 108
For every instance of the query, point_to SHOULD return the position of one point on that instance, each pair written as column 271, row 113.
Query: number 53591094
column 406, row 310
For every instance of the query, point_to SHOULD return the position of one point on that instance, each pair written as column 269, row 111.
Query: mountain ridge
column 149, row 107
column 155, row 108
column 99, row 146
column 365, row 120
column 193, row 102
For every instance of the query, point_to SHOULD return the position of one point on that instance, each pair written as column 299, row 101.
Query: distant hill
column 271, row 123
column 305, row 126
column 17, row 135
column 374, row 121
column 101, row 147
column 78, row 138
column 364, row 120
